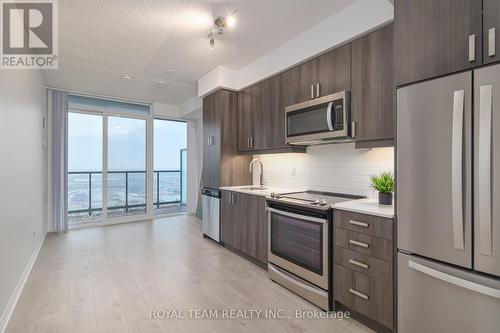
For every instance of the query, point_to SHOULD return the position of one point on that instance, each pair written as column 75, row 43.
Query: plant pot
column 385, row 198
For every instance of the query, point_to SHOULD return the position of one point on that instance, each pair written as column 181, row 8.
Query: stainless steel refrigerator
column 448, row 203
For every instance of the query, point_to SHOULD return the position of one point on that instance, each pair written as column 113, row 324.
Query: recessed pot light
column 126, row 77
column 170, row 71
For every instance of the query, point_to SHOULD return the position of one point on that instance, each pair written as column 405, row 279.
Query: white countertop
column 264, row 192
column 366, row 206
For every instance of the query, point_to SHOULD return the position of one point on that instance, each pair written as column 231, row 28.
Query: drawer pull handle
column 357, row 293
column 360, row 224
column 357, row 263
column 353, row 242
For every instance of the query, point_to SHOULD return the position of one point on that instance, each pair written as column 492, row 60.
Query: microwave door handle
column 329, row 116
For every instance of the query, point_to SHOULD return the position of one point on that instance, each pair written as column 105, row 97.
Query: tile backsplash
column 329, row 168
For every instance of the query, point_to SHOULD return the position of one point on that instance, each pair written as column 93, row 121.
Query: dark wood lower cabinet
column 244, row 224
column 363, row 267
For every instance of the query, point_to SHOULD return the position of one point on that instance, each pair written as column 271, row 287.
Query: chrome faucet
column 261, row 170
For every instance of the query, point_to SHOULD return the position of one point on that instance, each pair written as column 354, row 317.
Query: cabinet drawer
column 362, row 263
column 371, row 297
column 366, row 224
column 362, row 243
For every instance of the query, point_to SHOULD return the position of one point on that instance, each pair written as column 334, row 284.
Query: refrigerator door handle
column 456, row 169
column 476, row 287
column 484, row 170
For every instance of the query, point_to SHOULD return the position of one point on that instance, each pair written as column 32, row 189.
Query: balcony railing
column 118, row 190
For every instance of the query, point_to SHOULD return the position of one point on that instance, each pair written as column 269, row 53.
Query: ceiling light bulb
column 211, row 43
column 231, row 21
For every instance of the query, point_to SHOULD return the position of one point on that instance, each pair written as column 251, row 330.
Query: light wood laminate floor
column 109, row 279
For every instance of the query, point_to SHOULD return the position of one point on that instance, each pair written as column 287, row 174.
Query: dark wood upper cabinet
column 261, row 118
column 491, row 31
column 332, row 71
column 432, row 37
column 298, row 83
column 373, row 91
column 245, row 119
column 323, row 75
column 273, row 111
column 222, row 164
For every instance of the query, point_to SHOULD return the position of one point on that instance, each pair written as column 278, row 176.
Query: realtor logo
column 29, row 34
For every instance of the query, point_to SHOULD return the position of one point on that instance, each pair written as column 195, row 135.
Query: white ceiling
column 100, row 41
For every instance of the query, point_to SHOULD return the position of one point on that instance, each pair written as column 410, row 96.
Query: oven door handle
column 297, row 216
column 329, row 116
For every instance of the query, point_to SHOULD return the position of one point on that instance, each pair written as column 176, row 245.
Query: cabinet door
column 240, row 219
column 258, row 138
column 372, row 93
column 297, row 83
column 262, row 228
column 491, row 31
column 245, row 120
column 208, row 133
column 226, row 218
column 432, row 37
column 332, row 71
column 273, row 112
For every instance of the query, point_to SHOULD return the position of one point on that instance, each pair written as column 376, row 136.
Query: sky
column 126, row 143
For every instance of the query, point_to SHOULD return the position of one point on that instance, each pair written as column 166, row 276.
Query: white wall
column 329, row 168
column 346, row 25
column 22, row 178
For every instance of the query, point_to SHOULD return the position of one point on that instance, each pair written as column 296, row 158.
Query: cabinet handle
column 491, row 42
column 353, row 129
column 248, row 142
column 251, row 142
column 361, row 244
column 472, row 48
column 317, row 89
column 360, row 224
column 312, row 91
column 357, row 293
column 210, row 141
column 357, row 263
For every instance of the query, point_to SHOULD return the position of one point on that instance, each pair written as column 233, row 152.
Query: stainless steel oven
column 299, row 251
column 317, row 120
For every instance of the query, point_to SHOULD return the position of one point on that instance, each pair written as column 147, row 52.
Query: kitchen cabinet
column 363, row 266
column 222, row 164
column 323, row 75
column 491, row 31
column 297, row 83
column 332, row 71
column 244, row 224
column 373, row 90
column 437, row 37
column 261, row 118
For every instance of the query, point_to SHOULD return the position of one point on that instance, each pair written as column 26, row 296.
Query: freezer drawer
column 434, row 162
column 434, row 297
column 487, row 170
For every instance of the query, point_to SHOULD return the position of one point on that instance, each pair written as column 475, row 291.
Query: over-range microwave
column 322, row 119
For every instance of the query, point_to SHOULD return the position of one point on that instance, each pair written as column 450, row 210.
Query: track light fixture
column 220, row 23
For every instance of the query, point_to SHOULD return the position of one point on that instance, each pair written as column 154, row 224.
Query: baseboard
column 9, row 309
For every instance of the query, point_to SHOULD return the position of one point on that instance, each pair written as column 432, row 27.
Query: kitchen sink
column 253, row 188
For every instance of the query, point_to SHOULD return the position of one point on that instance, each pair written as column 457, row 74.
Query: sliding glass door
column 127, row 181
column 108, row 161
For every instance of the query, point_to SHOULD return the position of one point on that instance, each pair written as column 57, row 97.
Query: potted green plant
column 384, row 184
